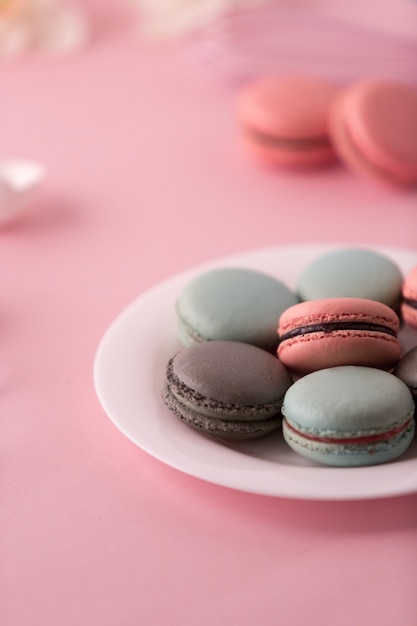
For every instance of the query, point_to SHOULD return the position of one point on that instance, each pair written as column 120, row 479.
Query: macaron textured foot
column 232, row 304
column 352, row 273
column 338, row 331
column 349, row 416
column 226, row 389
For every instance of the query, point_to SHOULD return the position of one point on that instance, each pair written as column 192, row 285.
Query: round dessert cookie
column 352, row 273
column 284, row 120
column 349, row 416
column 232, row 304
column 406, row 370
column 226, row 389
column 326, row 333
column 374, row 128
column 409, row 302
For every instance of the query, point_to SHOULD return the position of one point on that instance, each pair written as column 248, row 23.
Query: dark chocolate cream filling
column 293, row 143
column 410, row 302
column 329, row 327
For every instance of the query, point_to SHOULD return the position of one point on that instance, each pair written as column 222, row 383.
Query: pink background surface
column 146, row 178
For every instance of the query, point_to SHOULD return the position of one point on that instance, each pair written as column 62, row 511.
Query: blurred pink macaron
column 373, row 126
column 284, row 119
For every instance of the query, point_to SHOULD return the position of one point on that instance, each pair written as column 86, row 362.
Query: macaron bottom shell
column 353, row 455
column 216, row 427
column 307, row 354
column 186, row 334
column 289, row 154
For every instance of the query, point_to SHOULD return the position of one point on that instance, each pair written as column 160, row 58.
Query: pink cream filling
column 354, row 440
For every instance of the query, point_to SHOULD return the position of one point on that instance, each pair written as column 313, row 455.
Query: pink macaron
column 373, row 125
column 409, row 302
column 318, row 334
column 284, row 120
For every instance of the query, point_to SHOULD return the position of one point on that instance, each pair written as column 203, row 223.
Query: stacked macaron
column 347, row 314
column 323, row 360
column 227, row 382
column 348, row 406
column 299, row 121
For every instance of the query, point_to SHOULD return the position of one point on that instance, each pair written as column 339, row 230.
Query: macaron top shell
column 229, row 376
column 233, row 304
column 348, row 400
column 327, row 310
column 288, row 106
column 352, row 273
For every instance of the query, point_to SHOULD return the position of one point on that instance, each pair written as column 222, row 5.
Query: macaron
column 409, row 302
column 232, row 304
column 284, row 119
column 326, row 333
column 352, row 273
column 349, row 416
column 373, row 125
column 226, row 389
column 406, row 370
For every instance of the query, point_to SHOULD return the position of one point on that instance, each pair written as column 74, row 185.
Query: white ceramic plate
column 129, row 371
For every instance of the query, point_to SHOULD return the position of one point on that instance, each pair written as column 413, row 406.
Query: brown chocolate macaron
column 226, row 389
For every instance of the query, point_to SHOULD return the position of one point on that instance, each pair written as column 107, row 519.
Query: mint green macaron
column 349, row 416
column 352, row 273
column 233, row 304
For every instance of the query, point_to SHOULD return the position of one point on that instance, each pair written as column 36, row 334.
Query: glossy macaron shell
column 227, row 389
column 374, row 128
column 285, row 119
column 349, row 416
column 352, row 273
column 330, row 332
column 232, row 304
column 409, row 303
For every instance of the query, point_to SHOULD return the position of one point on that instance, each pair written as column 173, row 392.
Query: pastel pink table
column 146, row 178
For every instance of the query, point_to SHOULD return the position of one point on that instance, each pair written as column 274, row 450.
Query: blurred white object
column 18, row 181
column 170, row 18
column 54, row 26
